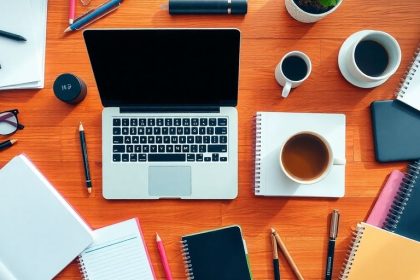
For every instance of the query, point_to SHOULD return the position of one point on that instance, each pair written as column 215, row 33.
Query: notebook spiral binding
column 189, row 273
column 257, row 175
column 406, row 80
column 82, row 268
column 351, row 253
column 403, row 195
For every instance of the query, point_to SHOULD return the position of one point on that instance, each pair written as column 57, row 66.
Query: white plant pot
column 302, row 16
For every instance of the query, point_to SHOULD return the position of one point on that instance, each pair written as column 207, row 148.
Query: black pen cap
column 239, row 6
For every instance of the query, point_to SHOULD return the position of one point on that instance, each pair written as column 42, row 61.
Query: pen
column 335, row 218
column 12, row 36
column 94, row 15
column 7, row 144
column 275, row 259
column 85, row 157
column 286, row 254
column 72, row 11
column 163, row 257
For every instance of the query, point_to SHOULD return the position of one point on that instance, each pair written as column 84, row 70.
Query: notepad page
column 118, row 252
column 410, row 89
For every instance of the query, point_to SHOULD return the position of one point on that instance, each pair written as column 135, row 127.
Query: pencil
column 276, row 264
column 85, row 157
column 7, row 144
column 163, row 257
column 286, row 254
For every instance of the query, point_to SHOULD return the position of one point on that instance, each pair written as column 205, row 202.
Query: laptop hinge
column 171, row 109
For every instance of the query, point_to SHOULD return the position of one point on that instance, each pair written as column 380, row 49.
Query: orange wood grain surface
column 51, row 140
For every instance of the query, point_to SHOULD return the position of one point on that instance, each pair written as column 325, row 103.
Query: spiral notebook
column 272, row 129
column 404, row 215
column 377, row 254
column 409, row 92
column 216, row 254
column 118, row 252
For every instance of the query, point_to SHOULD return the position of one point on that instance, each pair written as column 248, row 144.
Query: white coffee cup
column 388, row 43
column 289, row 82
column 306, row 137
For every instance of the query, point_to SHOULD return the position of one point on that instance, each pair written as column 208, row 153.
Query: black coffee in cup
column 371, row 58
column 294, row 68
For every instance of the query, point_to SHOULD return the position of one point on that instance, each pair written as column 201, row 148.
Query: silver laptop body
column 169, row 123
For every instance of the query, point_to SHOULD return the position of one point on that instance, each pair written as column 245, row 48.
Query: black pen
column 7, row 144
column 85, row 157
column 335, row 218
column 276, row 264
column 12, row 36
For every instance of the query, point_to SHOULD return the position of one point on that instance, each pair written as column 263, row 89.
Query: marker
column 335, row 218
column 12, row 36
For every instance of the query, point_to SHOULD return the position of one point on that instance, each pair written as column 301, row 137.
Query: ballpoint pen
column 276, row 265
column 94, row 15
column 12, row 36
column 335, row 217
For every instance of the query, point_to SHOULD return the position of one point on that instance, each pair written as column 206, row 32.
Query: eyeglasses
column 9, row 122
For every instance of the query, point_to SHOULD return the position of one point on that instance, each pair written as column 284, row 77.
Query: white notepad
column 118, row 252
column 40, row 233
column 409, row 92
column 272, row 129
column 23, row 63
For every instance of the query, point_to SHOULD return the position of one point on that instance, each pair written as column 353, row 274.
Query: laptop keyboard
column 170, row 139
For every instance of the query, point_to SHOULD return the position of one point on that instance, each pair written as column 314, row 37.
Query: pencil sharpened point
column 89, row 190
column 273, row 230
column 67, row 30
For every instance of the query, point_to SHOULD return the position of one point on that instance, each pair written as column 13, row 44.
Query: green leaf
column 328, row 3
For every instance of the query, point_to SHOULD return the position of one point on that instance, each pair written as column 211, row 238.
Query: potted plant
column 311, row 10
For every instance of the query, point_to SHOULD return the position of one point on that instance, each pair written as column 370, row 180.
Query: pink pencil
column 163, row 257
column 72, row 11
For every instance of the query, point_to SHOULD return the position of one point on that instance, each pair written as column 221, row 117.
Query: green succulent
column 317, row 3
column 328, row 3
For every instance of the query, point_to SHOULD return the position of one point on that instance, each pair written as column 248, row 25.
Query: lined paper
column 118, row 252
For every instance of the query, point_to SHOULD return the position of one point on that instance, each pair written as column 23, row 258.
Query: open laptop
column 169, row 123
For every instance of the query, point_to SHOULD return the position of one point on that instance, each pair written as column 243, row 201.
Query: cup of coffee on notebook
column 292, row 70
column 306, row 157
column 370, row 59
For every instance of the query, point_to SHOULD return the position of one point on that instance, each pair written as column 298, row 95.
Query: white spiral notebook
column 272, row 129
column 409, row 92
column 118, row 252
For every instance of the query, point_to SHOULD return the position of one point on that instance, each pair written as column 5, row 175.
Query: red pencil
column 163, row 257
column 72, row 11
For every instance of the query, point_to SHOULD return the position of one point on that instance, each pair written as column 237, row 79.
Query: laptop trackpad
column 170, row 181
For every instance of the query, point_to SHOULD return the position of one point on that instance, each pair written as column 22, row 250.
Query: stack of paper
column 23, row 62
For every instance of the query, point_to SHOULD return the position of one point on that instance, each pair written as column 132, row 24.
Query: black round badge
column 69, row 88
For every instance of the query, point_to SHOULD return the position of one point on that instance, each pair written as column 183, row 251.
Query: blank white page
column 118, row 252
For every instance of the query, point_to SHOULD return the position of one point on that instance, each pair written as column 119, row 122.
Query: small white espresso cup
column 287, row 77
column 388, row 43
column 302, row 148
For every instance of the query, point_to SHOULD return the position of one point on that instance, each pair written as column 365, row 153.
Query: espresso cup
column 306, row 157
column 373, row 57
column 292, row 70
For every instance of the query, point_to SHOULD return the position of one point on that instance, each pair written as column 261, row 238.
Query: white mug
column 331, row 159
column 394, row 57
column 287, row 82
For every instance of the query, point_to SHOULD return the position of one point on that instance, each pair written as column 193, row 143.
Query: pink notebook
column 386, row 197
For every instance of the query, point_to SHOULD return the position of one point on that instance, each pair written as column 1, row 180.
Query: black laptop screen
column 165, row 67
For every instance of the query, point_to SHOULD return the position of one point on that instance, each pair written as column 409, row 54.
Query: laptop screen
column 165, row 67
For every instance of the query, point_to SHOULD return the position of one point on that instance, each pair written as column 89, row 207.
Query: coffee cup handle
column 286, row 89
column 339, row 161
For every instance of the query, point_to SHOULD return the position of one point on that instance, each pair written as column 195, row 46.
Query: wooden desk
column 50, row 137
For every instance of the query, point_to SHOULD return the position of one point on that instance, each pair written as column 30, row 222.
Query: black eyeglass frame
column 19, row 126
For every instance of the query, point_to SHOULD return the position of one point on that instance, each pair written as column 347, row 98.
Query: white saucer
column 341, row 61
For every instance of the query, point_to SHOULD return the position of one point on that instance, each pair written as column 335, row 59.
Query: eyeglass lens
column 8, row 123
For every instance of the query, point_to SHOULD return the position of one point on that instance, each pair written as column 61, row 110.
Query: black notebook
column 404, row 215
column 216, row 254
column 396, row 131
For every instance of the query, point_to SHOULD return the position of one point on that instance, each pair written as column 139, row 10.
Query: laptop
column 169, row 123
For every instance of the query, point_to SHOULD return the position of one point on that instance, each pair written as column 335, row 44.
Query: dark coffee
column 305, row 157
column 294, row 68
column 371, row 58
